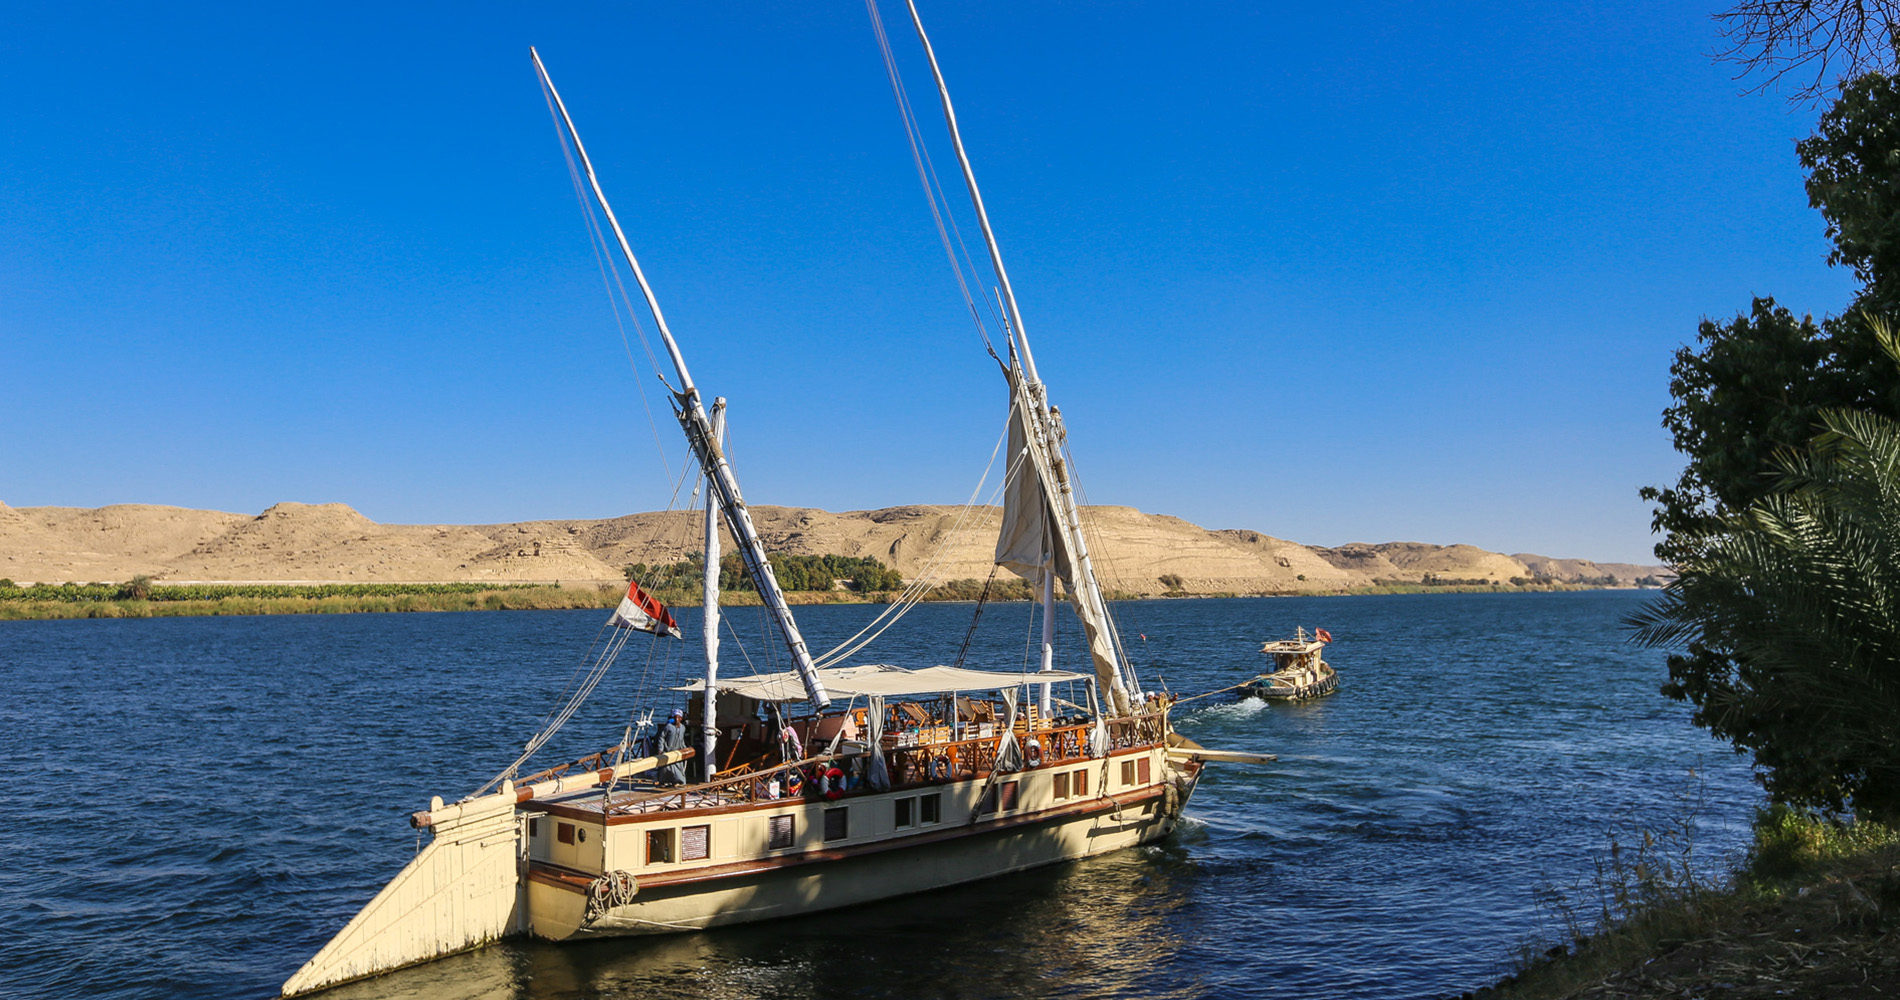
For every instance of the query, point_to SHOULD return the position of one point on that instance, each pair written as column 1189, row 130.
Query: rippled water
column 196, row 805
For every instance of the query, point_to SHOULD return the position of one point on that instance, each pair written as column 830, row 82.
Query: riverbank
column 146, row 600
column 1814, row 911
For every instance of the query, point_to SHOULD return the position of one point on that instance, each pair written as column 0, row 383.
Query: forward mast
column 701, row 436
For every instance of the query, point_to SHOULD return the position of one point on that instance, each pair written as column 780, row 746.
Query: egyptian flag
column 638, row 610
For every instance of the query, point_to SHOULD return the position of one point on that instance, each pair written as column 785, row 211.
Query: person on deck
column 673, row 737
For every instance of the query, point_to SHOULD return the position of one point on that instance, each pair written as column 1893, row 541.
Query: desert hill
column 296, row 542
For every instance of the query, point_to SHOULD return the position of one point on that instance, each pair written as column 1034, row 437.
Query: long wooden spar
column 439, row 813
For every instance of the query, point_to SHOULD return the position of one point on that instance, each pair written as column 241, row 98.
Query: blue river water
column 195, row 805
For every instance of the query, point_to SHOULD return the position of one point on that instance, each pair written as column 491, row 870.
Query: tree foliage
column 1792, row 613
column 1749, row 398
column 792, row 572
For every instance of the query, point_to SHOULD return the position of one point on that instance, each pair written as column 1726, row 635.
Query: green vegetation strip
column 84, row 601
column 143, row 589
column 1814, row 911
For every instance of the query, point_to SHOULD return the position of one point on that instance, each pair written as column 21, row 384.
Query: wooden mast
column 709, row 592
column 1045, row 431
column 700, row 436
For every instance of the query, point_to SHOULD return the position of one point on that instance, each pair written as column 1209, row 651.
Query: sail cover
column 1039, row 536
column 881, row 680
column 1024, row 545
column 639, row 610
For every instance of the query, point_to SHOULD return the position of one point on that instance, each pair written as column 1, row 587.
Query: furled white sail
column 1024, row 545
column 1042, row 531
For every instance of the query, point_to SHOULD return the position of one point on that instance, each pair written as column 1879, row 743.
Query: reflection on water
column 1105, row 926
column 1479, row 746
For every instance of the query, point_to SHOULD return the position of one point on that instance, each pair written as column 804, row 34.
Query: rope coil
column 614, row 889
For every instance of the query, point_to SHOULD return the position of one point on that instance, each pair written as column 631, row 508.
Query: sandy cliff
column 332, row 542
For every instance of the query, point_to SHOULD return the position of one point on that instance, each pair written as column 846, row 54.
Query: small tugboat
column 1298, row 671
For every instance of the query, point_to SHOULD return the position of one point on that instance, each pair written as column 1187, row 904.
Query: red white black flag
column 638, row 610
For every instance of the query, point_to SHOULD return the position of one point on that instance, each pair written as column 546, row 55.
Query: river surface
column 195, row 805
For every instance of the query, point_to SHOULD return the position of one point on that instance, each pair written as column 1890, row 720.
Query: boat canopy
column 881, row 679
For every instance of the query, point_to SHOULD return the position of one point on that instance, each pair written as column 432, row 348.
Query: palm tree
column 1791, row 616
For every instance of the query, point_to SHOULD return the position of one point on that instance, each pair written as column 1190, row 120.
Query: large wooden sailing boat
column 822, row 786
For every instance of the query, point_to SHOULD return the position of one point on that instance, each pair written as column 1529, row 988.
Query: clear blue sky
column 1334, row 272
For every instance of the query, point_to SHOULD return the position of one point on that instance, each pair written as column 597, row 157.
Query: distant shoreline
column 517, row 597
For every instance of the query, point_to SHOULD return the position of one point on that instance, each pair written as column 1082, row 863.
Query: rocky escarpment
column 1134, row 552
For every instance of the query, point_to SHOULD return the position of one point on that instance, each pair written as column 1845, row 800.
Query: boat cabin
column 912, row 759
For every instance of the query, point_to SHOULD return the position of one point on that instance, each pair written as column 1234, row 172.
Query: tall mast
column 1045, row 428
column 976, row 197
column 709, row 729
column 700, row 436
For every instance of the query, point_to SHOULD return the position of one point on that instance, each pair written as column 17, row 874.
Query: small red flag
column 639, row 610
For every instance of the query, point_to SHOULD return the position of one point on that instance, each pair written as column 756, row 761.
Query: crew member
column 673, row 737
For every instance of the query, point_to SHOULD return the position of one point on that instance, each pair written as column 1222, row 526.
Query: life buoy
column 1035, row 753
column 832, row 782
column 939, row 768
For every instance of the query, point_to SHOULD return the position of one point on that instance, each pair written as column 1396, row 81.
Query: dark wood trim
column 937, row 834
column 559, row 876
column 593, row 816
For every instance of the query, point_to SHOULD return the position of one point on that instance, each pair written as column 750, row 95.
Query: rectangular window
column 1082, row 782
column 564, row 832
column 929, row 807
column 1146, row 775
column 780, row 832
column 659, row 847
column 534, row 828
column 988, row 803
column 906, row 809
column 837, row 823
column 1128, row 772
column 1061, row 782
column 1008, row 790
column 695, row 843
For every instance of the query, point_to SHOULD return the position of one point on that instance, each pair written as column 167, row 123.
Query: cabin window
column 1146, row 775
column 1128, row 772
column 580, row 833
column 659, row 847
column 1001, row 797
column 1061, row 783
column 564, row 832
column 929, row 807
column 837, row 823
column 1082, row 782
column 534, row 828
column 906, row 811
column 695, row 843
column 780, row 832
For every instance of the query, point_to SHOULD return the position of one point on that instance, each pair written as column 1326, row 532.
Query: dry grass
column 1814, row 912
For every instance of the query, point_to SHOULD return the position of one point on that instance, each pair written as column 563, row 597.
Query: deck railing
column 924, row 764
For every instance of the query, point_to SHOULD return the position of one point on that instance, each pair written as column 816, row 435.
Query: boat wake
column 1233, row 710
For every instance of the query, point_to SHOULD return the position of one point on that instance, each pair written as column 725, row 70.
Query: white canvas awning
column 880, row 679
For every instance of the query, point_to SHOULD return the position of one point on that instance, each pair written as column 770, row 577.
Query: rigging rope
column 558, row 718
column 1089, row 528
column 602, row 256
column 981, row 600
column 925, row 580
column 933, row 188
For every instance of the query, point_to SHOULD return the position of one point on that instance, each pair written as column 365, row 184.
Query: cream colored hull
column 769, row 888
